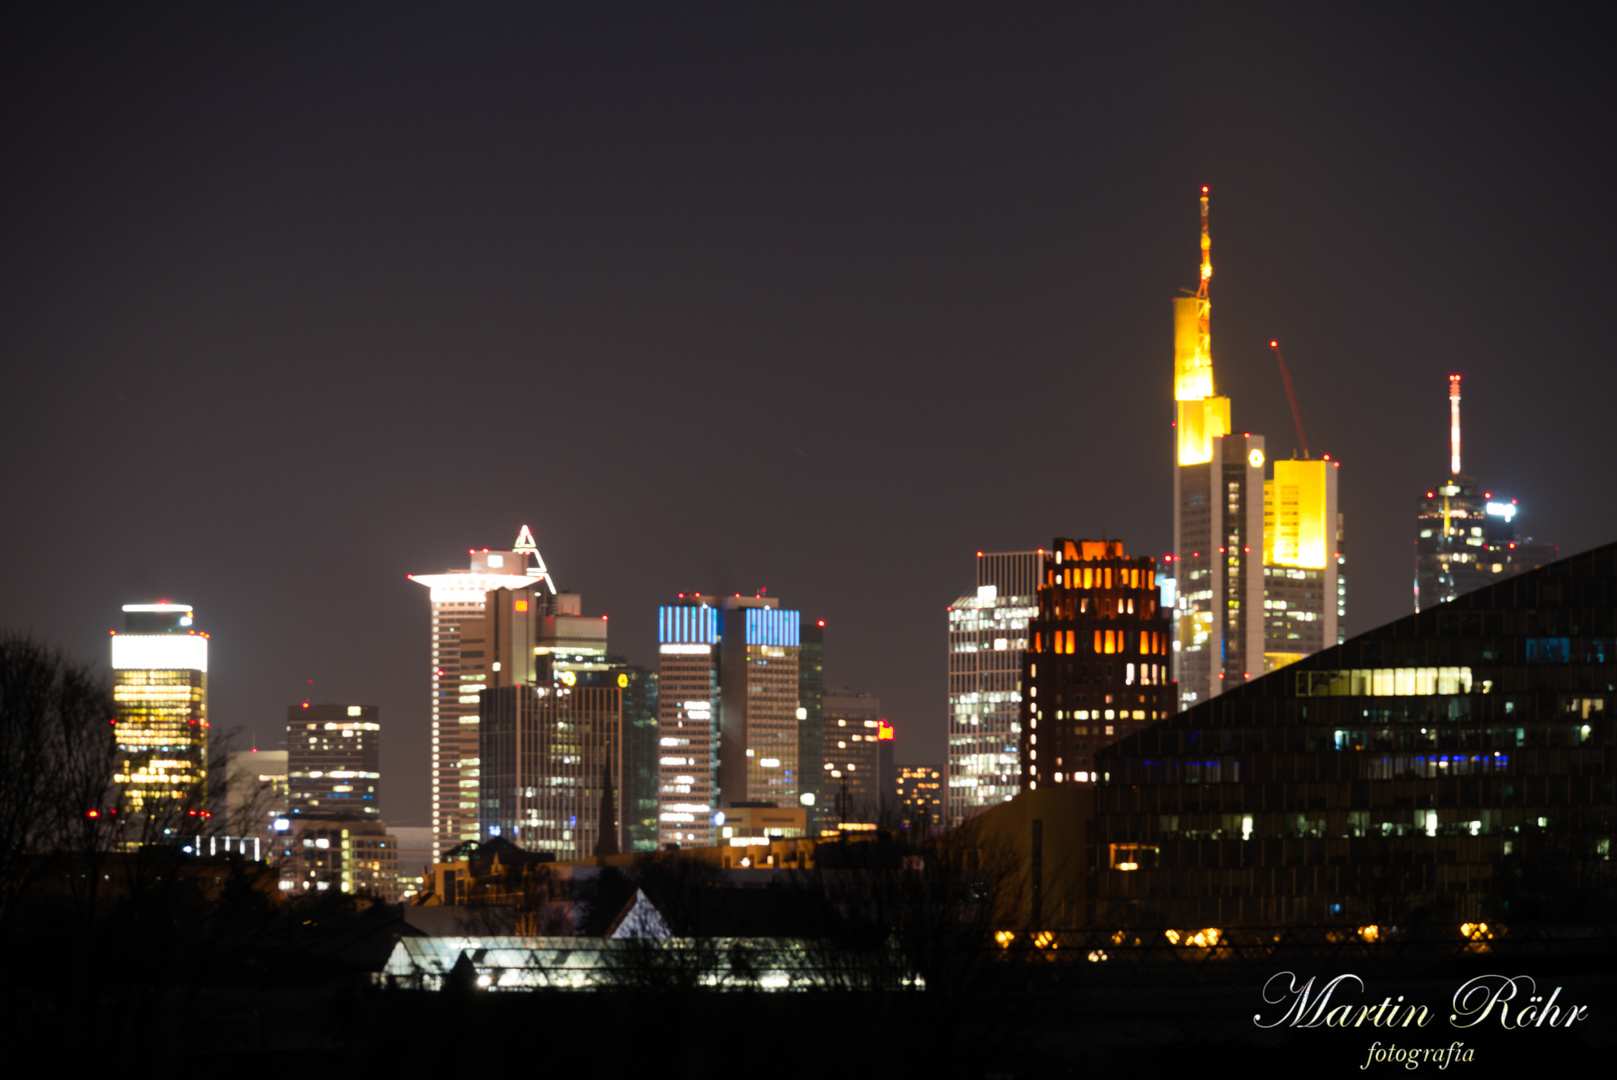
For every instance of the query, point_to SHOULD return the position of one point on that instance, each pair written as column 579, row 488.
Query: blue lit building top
column 772, row 626
column 688, row 624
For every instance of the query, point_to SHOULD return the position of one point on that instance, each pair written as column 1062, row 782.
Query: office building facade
column 988, row 630
column 688, row 719
column 1304, row 562
column 758, row 676
column 160, row 701
column 1096, row 668
column 728, row 698
column 852, row 788
column 334, row 757
column 358, row 857
column 458, row 676
column 1451, row 767
column 551, row 764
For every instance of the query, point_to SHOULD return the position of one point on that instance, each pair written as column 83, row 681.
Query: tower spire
column 1202, row 415
column 1207, row 252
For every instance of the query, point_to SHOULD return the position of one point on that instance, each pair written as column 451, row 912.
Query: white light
column 157, row 607
column 685, row 650
column 1504, row 510
column 467, row 588
column 770, row 763
column 157, row 652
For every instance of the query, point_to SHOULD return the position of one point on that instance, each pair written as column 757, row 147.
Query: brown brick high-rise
column 1096, row 667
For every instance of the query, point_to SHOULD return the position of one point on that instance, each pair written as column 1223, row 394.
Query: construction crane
column 1291, row 396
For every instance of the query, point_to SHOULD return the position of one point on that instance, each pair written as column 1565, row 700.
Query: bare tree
column 57, row 752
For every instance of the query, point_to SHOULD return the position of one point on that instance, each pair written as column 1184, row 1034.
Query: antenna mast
column 1291, row 396
column 1454, row 424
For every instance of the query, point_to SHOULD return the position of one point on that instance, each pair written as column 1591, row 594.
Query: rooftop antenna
column 1291, row 396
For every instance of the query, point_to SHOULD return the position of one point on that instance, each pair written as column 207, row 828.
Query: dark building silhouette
column 810, row 737
column 639, row 795
column 1455, row 765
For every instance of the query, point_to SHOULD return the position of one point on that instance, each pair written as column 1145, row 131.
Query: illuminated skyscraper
column 1096, row 668
column 458, row 676
column 1218, row 515
column 1464, row 537
column 729, row 710
column 688, row 708
column 160, row 695
column 1304, row 594
column 553, row 735
column 334, row 755
column 988, row 630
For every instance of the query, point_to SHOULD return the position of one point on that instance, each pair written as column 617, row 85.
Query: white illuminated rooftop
column 467, row 587
column 159, row 652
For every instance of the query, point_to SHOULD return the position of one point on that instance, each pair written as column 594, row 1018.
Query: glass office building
column 1454, row 765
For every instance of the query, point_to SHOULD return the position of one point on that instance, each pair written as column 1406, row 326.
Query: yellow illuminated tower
column 160, row 696
column 1218, row 514
column 1304, row 593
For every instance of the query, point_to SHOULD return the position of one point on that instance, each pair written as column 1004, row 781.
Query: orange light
column 884, row 730
column 520, row 605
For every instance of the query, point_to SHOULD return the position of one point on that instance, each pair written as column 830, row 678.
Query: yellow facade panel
column 1296, row 514
column 1192, row 350
column 1200, row 422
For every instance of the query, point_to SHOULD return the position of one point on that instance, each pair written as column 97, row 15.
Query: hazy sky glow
column 300, row 300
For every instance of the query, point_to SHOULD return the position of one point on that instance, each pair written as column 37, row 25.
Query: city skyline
column 924, row 261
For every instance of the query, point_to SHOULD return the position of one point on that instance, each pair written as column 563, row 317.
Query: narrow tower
column 1454, row 425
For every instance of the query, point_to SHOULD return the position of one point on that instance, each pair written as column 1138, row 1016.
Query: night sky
column 300, row 300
